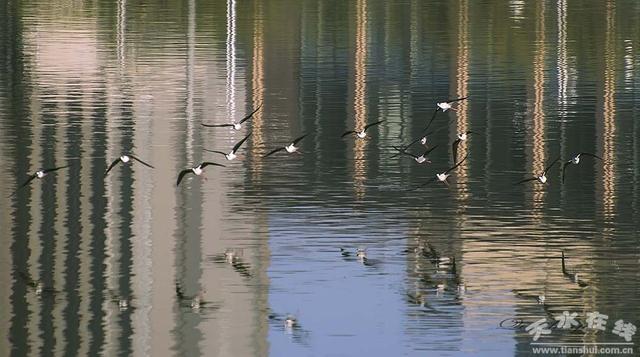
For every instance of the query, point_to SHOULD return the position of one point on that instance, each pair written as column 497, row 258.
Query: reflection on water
column 131, row 264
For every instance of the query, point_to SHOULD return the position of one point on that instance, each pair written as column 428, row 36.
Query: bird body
column 232, row 154
column 291, row 148
column 125, row 158
column 542, row 178
column 234, row 125
column 198, row 170
column 361, row 134
column 576, row 160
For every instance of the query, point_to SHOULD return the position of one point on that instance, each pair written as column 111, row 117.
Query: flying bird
column 576, row 160
column 418, row 158
column 448, row 104
column 38, row 174
column 543, row 177
column 362, row 133
column 125, row 159
column 291, row 148
column 234, row 125
column 198, row 170
column 232, row 154
column 442, row 177
column 460, row 137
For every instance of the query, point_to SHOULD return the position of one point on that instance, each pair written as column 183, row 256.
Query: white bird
column 198, row 170
column 361, row 134
column 576, row 160
column 232, row 154
column 442, row 177
column 291, row 148
column 543, row 176
column 460, row 138
column 234, row 125
column 418, row 158
column 448, row 104
column 125, row 159
column 38, row 174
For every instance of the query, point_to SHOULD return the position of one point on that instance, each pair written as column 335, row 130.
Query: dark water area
column 132, row 264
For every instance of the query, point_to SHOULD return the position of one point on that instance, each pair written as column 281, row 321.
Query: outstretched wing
column 550, row 166
column 216, row 125
column 46, row 171
column 274, row 151
column 24, row 184
column 207, row 163
column 432, row 117
column 250, row 115
column 454, row 149
column 237, row 145
column 426, row 183
column 140, row 161
column 592, row 155
column 113, row 164
column 564, row 167
column 456, row 100
column 429, row 151
column 347, row 133
column 299, row 138
column 215, row 151
column 372, row 124
column 526, row 180
column 181, row 175
column 456, row 165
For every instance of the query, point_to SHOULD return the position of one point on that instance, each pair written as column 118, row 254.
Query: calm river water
column 116, row 265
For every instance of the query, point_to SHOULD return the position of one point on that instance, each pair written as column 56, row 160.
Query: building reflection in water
column 536, row 141
column 606, row 126
column 462, row 109
column 359, row 98
column 257, row 94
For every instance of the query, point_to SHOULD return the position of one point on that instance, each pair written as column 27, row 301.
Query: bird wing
column 274, row 151
column 250, row 115
column 454, row 149
column 409, row 154
column 299, row 138
column 426, row 183
column 372, row 124
column 456, row 100
column 239, row 143
column 592, row 155
column 526, row 180
column 432, row 117
column 181, row 175
column 208, row 163
column 24, row 184
column 550, row 166
column 113, row 164
column 216, row 125
column 456, row 165
column 54, row 169
column 215, row 151
column 429, row 151
column 140, row 161
column 347, row 133
column 564, row 167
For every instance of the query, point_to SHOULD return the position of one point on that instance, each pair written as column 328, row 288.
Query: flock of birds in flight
column 197, row 301
column 358, row 133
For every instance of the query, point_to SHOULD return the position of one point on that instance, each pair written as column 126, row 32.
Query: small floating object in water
column 123, row 304
column 541, row 299
column 290, row 321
